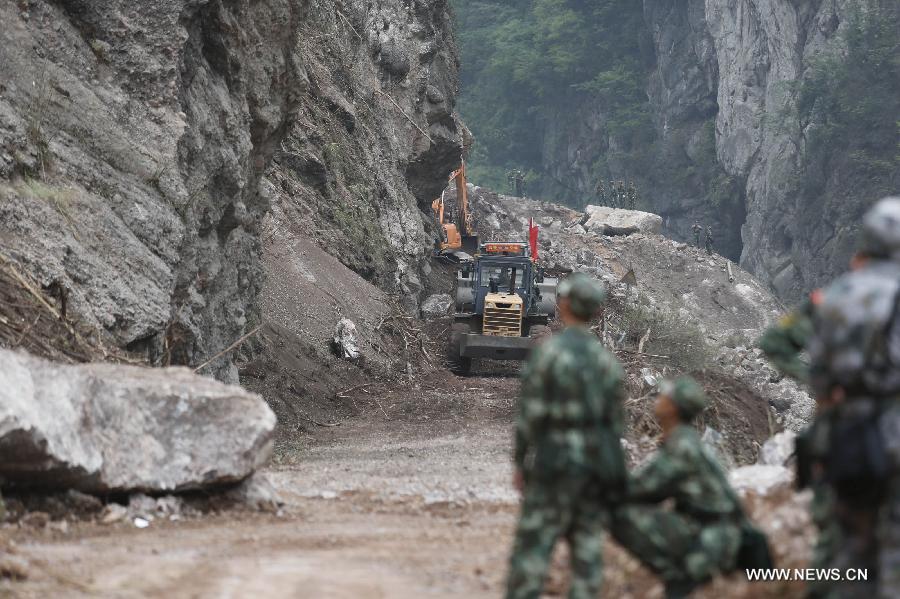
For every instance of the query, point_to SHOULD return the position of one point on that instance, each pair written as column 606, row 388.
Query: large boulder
column 618, row 221
column 103, row 428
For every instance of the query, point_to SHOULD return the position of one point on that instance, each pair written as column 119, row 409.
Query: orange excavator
column 458, row 236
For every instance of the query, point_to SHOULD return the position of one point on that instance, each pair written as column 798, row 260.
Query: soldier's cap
column 686, row 394
column 585, row 294
column 881, row 229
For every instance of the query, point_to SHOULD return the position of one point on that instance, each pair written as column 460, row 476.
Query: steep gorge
column 775, row 121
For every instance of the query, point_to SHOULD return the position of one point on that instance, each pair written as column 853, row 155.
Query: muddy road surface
column 411, row 498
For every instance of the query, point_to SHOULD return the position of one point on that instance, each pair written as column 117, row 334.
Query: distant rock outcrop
column 733, row 145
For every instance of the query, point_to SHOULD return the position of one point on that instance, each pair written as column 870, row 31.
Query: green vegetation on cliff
column 525, row 59
column 848, row 104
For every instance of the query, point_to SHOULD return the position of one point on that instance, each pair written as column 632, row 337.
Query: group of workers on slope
column 617, row 194
column 678, row 514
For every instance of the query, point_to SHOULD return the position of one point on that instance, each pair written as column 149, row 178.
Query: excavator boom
column 460, row 235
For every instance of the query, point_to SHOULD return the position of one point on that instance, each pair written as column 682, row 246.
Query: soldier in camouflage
column 567, row 448
column 697, row 229
column 783, row 343
column 632, row 196
column 698, row 538
column 854, row 370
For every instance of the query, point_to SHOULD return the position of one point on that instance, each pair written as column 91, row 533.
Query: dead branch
column 352, row 28
column 643, row 340
column 394, row 102
column 228, row 349
column 637, row 353
column 342, row 392
column 317, row 423
column 380, row 407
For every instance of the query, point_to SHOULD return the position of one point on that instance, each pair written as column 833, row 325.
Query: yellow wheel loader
column 503, row 304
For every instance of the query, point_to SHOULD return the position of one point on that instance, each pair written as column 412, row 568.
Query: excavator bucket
column 470, row 244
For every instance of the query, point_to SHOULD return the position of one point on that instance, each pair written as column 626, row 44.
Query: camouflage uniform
column 697, row 230
column 782, row 344
column 571, row 395
column 632, row 196
column 709, row 239
column 855, row 348
column 700, row 536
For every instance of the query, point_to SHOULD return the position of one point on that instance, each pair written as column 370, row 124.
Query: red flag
column 533, row 238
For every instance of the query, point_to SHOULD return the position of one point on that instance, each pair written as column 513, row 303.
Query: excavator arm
column 459, row 235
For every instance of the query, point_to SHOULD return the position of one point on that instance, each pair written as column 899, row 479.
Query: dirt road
column 412, row 499
column 409, row 498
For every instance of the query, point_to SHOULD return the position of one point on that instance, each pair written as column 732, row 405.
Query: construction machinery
column 503, row 303
column 457, row 222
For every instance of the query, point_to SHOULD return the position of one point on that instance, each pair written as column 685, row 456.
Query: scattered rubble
column 665, row 280
column 102, row 428
column 13, row 567
column 779, row 450
column 258, row 492
column 113, row 513
column 760, row 479
column 436, row 306
column 169, row 507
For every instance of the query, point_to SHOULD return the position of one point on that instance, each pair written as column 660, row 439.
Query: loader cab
column 504, row 275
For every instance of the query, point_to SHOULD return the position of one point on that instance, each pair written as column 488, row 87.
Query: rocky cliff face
column 135, row 140
column 375, row 139
column 762, row 47
column 730, row 146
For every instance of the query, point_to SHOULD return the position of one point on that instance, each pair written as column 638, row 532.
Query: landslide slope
column 681, row 297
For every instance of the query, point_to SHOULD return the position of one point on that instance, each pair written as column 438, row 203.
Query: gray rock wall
column 763, row 46
column 136, row 138
column 376, row 138
column 729, row 147
column 133, row 138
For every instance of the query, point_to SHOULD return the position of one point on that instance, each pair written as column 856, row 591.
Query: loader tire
column 459, row 365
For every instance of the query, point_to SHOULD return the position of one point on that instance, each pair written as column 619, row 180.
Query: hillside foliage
column 849, row 106
column 524, row 59
column 525, row 62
